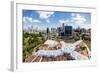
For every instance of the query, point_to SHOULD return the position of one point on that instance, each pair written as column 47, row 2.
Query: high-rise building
column 65, row 31
column 59, row 30
column 68, row 30
column 47, row 30
column 63, row 27
column 53, row 30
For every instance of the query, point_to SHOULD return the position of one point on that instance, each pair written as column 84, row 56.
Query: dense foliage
column 30, row 42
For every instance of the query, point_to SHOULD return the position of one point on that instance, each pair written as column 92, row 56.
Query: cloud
column 44, row 14
column 75, row 19
column 48, row 21
column 78, row 19
column 29, row 20
column 36, row 21
column 63, row 21
column 73, row 14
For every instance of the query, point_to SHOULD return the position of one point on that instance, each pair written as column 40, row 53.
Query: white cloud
column 78, row 19
column 73, row 14
column 29, row 20
column 44, row 14
column 48, row 21
column 25, row 18
column 36, row 21
column 63, row 21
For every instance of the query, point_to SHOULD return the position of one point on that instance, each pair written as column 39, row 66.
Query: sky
column 42, row 19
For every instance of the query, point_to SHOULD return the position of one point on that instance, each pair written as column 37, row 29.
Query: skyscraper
column 47, row 30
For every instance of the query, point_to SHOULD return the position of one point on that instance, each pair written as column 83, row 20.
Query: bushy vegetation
column 30, row 41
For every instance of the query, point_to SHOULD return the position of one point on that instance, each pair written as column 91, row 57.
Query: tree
column 30, row 41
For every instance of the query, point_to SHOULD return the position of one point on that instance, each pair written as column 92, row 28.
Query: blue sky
column 53, row 19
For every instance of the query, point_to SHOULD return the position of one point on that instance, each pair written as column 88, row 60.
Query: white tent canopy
column 51, row 43
column 65, row 49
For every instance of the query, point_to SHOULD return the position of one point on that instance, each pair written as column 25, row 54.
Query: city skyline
column 42, row 20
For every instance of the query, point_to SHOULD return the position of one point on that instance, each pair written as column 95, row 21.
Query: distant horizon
column 41, row 20
column 50, row 29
